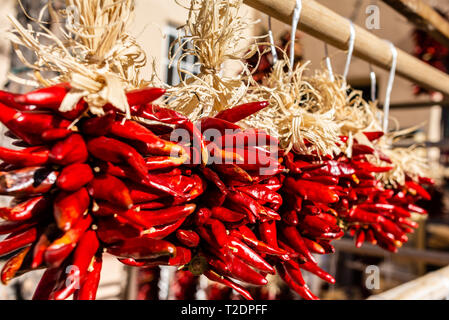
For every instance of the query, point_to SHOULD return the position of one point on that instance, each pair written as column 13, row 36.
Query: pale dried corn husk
column 213, row 29
column 96, row 56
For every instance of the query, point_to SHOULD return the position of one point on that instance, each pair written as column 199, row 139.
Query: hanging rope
column 350, row 50
column 394, row 53
column 273, row 46
column 295, row 22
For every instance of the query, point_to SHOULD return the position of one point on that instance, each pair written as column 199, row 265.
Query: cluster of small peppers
column 107, row 185
column 236, row 208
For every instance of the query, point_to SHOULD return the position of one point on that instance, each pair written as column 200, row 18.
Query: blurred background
column 155, row 26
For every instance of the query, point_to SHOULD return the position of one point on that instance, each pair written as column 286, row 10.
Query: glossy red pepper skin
column 25, row 158
column 241, row 112
column 167, row 216
column 32, row 208
column 98, row 126
column 154, row 145
column 360, row 238
column 313, row 268
column 47, row 283
column 240, row 271
column 61, row 248
column 13, row 265
column 89, row 287
column 42, row 244
column 226, row 215
column 82, row 258
column 297, row 242
column 268, row 233
column 218, row 231
column 50, row 98
column 303, row 291
column 213, row 276
column 74, row 177
column 69, row 151
column 69, row 207
column 27, row 182
column 30, row 126
column 115, row 151
column 188, row 238
column 110, row 189
column 143, row 96
column 55, row 134
column 372, row 136
column 17, row 240
column 418, row 189
column 143, row 248
column 162, row 232
column 312, row 191
column 247, row 255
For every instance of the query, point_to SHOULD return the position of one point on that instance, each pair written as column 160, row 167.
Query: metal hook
column 273, row 46
column 295, row 22
column 373, row 78
column 350, row 50
column 394, row 53
column 328, row 63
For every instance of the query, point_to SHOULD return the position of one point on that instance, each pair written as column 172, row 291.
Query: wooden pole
column 432, row 286
column 424, row 17
column 324, row 24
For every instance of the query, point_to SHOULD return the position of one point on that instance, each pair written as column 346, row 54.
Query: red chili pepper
column 259, row 246
column 17, row 240
column 214, row 124
column 26, row 210
column 55, row 134
column 82, row 258
column 239, row 201
column 226, row 215
column 61, row 248
column 115, row 151
column 314, row 247
column 69, row 151
column 188, row 238
column 49, row 98
column 164, row 231
column 234, row 172
column 210, row 175
column 158, row 163
column 328, row 180
column 143, row 248
column 360, row 149
column 154, row 145
column 42, row 244
column 414, row 208
column 27, row 182
column 290, row 217
column 30, row 126
column 213, row 276
column 241, row 112
column 312, row 191
column 372, row 136
column 368, row 167
column 143, row 96
column 47, row 283
column 218, row 231
column 297, row 242
column 295, row 273
column 262, row 194
column 313, row 268
column 74, row 177
column 303, row 291
column 202, row 215
column 99, row 126
column 26, row 157
column 13, row 265
column 69, row 207
column 167, row 216
column 111, row 189
column 89, row 286
column 360, row 238
column 268, row 233
column 247, row 255
column 418, row 190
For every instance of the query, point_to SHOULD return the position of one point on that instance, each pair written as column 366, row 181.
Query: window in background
column 188, row 63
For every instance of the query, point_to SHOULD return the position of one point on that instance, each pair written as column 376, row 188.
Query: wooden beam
column 423, row 17
column 432, row 286
column 324, row 24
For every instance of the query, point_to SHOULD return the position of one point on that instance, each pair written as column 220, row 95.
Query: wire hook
column 295, row 22
column 328, row 63
column 273, row 46
column 350, row 50
column 394, row 53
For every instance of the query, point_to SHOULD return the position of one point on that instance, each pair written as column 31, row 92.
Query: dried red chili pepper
column 69, row 151
column 69, row 207
column 111, row 189
column 74, row 177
